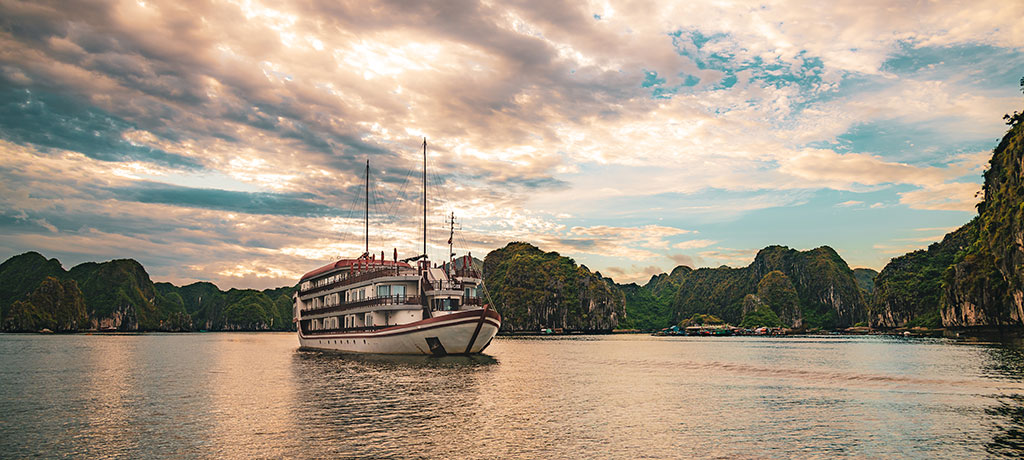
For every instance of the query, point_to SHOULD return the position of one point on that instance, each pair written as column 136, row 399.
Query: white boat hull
column 452, row 332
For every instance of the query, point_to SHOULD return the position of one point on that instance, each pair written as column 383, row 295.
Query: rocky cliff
column 865, row 280
column 22, row 274
column 974, row 277
column 534, row 289
column 825, row 287
column 777, row 292
column 985, row 285
column 118, row 295
column 649, row 307
column 55, row 305
column 36, row 294
column 908, row 291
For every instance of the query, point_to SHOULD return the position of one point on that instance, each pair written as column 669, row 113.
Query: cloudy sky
column 226, row 140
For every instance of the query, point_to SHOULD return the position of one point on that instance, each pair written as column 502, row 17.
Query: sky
column 227, row 141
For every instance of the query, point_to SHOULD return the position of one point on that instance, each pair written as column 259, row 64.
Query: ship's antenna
column 366, row 231
column 451, row 236
column 424, row 197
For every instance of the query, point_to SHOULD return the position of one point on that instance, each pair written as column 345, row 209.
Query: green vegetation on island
column 37, row 293
column 974, row 277
column 55, row 305
column 649, row 307
column 908, row 291
column 814, row 289
column 533, row 289
column 865, row 279
column 761, row 317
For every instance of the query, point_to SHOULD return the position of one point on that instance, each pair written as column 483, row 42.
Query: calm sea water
column 256, row 395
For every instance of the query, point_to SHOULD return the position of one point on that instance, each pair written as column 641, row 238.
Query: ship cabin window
column 471, row 293
column 398, row 290
column 368, row 319
column 383, row 290
column 446, row 304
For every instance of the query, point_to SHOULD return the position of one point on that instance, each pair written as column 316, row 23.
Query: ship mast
column 366, row 229
column 424, row 197
column 451, row 254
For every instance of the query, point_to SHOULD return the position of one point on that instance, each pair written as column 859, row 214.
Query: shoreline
column 971, row 334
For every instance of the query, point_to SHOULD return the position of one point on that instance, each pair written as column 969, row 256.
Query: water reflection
column 382, row 405
column 393, row 361
column 239, row 395
column 1006, row 363
column 109, row 392
column 1008, row 420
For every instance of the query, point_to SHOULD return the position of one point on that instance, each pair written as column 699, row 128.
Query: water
column 237, row 395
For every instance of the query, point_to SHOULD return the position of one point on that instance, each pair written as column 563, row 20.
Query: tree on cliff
column 827, row 294
column 57, row 305
column 36, row 294
column 532, row 288
column 778, row 293
column 975, row 275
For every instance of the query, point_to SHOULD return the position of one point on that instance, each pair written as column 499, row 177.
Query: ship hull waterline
column 447, row 334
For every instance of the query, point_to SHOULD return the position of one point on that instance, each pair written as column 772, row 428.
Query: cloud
column 955, row 196
column 694, row 244
column 224, row 200
column 633, row 274
column 849, row 203
column 687, row 260
column 142, row 126
column 729, row 256
column 845, row 171
column 49, row 121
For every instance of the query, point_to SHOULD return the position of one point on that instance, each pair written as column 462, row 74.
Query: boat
column 410, row 306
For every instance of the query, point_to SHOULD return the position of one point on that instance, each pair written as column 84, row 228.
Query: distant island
column 973, row 278
column 37, row 294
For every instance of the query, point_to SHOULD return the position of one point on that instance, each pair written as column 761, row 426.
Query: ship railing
column 373, row 301
column 467, row 273
column 441, row 286
column 352, row 279
column 445, row 285
column 306, row 331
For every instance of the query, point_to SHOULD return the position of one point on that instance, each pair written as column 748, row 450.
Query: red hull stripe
column 426, row 324
column 378, row 334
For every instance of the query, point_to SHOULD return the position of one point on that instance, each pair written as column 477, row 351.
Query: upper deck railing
column 353, row 278
column 384, row 300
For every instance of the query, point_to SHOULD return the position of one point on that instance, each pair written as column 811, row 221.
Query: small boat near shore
column 371, row 305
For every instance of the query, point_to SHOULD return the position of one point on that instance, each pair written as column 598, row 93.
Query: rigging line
column 346, row 237
column 379, row 206
column 445, row 203
column 438, row 184
column 386, row 209
column 400, row 196
column 464, row 246
column 447, row 200
column 354, row 203
column 377, row 199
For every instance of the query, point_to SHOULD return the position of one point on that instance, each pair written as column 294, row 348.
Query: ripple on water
column 257, row 395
